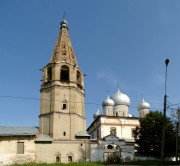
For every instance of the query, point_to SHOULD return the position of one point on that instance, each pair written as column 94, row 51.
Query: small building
column 17, row 144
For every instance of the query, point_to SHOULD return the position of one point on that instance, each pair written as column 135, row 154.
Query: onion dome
column 120, row 98
column 108, row 102
column 96, row 114
column 143, row 105
column 64, row 24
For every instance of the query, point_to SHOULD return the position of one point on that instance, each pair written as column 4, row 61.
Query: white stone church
column 62, row 135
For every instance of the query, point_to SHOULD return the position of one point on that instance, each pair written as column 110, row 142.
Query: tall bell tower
column 62, row 113
column 62, row 124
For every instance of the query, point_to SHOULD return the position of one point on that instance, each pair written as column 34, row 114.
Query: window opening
column 20, row 147
column 64, row 73
column 109, row 147
column 64, row 133
column 58, row 159
column 97, row 133
column 113, row 130
column 64, row 106
column 69, row 158
column 133, row 132
column 78, row 77
column 49, row 74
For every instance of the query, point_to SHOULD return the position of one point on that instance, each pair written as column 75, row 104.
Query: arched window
column 70, row 159
column 49, row 74
column 58, row 159
column 109, row 147
column 107, row 111
column 78, row 77
column 64, row 73
column 113, row 131
column 64, row 104
column 97, row 133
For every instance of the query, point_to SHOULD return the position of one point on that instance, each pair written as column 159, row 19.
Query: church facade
column 112, row 129
column 62, row 135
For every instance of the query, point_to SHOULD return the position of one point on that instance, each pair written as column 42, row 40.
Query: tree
column 148, row 135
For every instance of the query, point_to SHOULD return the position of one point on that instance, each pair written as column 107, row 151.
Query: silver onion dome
column 96, row 114
column 108, row 102
column 64, row 23
column 143, row 105
column 120, row 98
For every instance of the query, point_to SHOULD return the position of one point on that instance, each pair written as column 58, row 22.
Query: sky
column 118, row 44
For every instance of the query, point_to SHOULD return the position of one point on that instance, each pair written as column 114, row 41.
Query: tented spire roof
column 63, row 50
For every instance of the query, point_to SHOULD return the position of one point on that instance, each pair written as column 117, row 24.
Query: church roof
column 17, row 131
column 143, row 105
column 120, row 98
column 63, row 50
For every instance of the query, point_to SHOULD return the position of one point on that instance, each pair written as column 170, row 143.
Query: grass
column 139, row 162
column 151, row 162
column 61, row 164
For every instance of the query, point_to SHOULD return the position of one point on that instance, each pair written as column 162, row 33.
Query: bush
column 113, row 158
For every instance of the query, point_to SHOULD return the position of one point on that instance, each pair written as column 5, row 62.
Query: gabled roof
column 111, row 137
column 18, row 131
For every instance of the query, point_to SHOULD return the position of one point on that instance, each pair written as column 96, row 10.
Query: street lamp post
column 164, row 117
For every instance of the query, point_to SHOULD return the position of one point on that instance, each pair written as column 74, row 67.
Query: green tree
column 148, row 135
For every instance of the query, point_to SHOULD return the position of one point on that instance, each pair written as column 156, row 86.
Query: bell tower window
column 49, row 74
column 78, row 77
column 64, row 73
column 64, row 104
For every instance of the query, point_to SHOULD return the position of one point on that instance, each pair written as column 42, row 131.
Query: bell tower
column 62, row 112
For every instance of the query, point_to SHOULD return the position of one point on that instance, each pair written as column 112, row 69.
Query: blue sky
column 115, row 41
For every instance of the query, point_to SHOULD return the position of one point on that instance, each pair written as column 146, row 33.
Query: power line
column 87, row 103
column 31, row 98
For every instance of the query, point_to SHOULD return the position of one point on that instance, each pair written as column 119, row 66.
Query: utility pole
column 164, row 115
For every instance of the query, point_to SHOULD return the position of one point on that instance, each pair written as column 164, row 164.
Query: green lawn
column 145, row 162
column 60, row 164
column 152, row 162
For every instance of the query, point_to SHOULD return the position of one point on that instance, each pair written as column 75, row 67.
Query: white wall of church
column 123, row 127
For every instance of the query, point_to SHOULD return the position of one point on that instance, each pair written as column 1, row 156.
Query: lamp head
column 166, row 62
